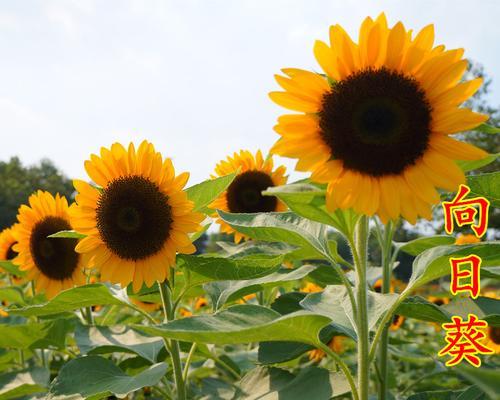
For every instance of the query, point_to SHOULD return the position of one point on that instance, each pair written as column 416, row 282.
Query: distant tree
column 17, row 182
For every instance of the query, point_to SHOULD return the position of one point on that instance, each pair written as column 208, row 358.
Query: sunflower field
column 109, row 295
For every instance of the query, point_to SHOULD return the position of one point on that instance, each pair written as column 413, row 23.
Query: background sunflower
column 7, row 242
column 51, row 263
column 139, row 219
column 376, row 127
column 244, row 194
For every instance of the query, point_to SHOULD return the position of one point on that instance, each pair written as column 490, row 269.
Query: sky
column 192, row 76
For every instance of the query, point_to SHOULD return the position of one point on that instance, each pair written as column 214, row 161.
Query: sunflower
column 244, row 194
column 336, row 344
column 201, row 302
column 492, row 340
column 467, row 239
column 7, row 242
column 377, row 286
column 139, row 217
column 51, row 263
column 145, row 305
column 375, row 128
column 396, row 322
column 311, row 288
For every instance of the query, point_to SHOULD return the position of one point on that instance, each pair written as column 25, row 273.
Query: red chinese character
column 463, row 338
column 471, row 275
column 464, row 213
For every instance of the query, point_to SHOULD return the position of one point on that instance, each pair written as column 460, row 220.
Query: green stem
column 360, row 253
column 345, row 369
column 169, row 311
column 383, row 361
column 188, row 362
column 88, row 316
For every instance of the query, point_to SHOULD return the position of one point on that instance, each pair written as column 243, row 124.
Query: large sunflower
column 244, row 194
column 376, row 126
column 7, row 242
column 138, row 219
column 51, row 263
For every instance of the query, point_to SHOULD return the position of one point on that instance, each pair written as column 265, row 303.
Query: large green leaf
column 418, row 308
column 223, row 292
column 76, row 298
column 434, row 395
column 98, row 377
column 434, row 263
column 334, row 303
column 308, row 201
column 242, row 324
column 207, row 269
column 485, row 128
column 486, row 185
column 11, row 268
column 471, row 165
column 284, row 227
column 251, row 247
column 16, row 384
column 36, row 335
column 278, row 384
column 205, row 192
column 483, row 307
column 419, row 245
column 485, row 378
column 109, row 339
column 12, row 294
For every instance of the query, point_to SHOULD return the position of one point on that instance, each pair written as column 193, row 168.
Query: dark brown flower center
column 134, row 217
column 494, row 333
column 11, row 254
column 376, row 121
column 54, row 257
column 244, row 194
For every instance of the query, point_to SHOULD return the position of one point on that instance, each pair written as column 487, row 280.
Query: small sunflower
column 184, row 312
column 201, row 302
column 138, row 219
column 52, row 264
column 311, row 288
column 244, row 194
column 7, row 242
column 145, row 305
column 397, row 321
column 376, row 126
column 492, row 340
column 377, row 286
column 467, row 239
column 336, row 344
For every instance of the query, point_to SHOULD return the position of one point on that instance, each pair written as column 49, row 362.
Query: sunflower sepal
column 486, row 128
column 68, row 234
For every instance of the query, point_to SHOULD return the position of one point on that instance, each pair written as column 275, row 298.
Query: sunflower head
column 244, row 194
column 375, row 127
column 145, row 305
column 316, row 355
column 397, row 321
column 138, row 219
column 7, row 242
column 51, row 263
column 467, row 239
column 311, row 288
column 492, row 340
column 377, row 286
column 200, row 303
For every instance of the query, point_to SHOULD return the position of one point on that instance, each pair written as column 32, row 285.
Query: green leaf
column 310, row 383
column 242, row 324
column 472, row 393
column 485, row 128
column 223, row 292
column 207, row 191
column 16, row 384
column 482, row 307
column 485, row 378
column 12, row 294
column 207, row 269
column 417, row 307
column 99, row 377
column 68, row 235
column 35, row 335
column 471, row 165
column 434, row 395
column 107, row 339
column 334, row 302
column 491, row 272
column 249, row 247
column 285, row 227
column 326, row 275
column 434, row 263
column 419, row 245
column 485, row 185
column 12, row 268
column 78, row 297
column 308, row 201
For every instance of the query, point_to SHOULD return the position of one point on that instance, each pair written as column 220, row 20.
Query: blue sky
column 192, row 76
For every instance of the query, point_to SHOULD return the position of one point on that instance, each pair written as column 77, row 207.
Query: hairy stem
column 345, row 369
column 172, row 345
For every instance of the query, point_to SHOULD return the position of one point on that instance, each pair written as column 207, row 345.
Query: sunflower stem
column 88, row 316
column 383, row 360
column 359, row 246
column 173, row 346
